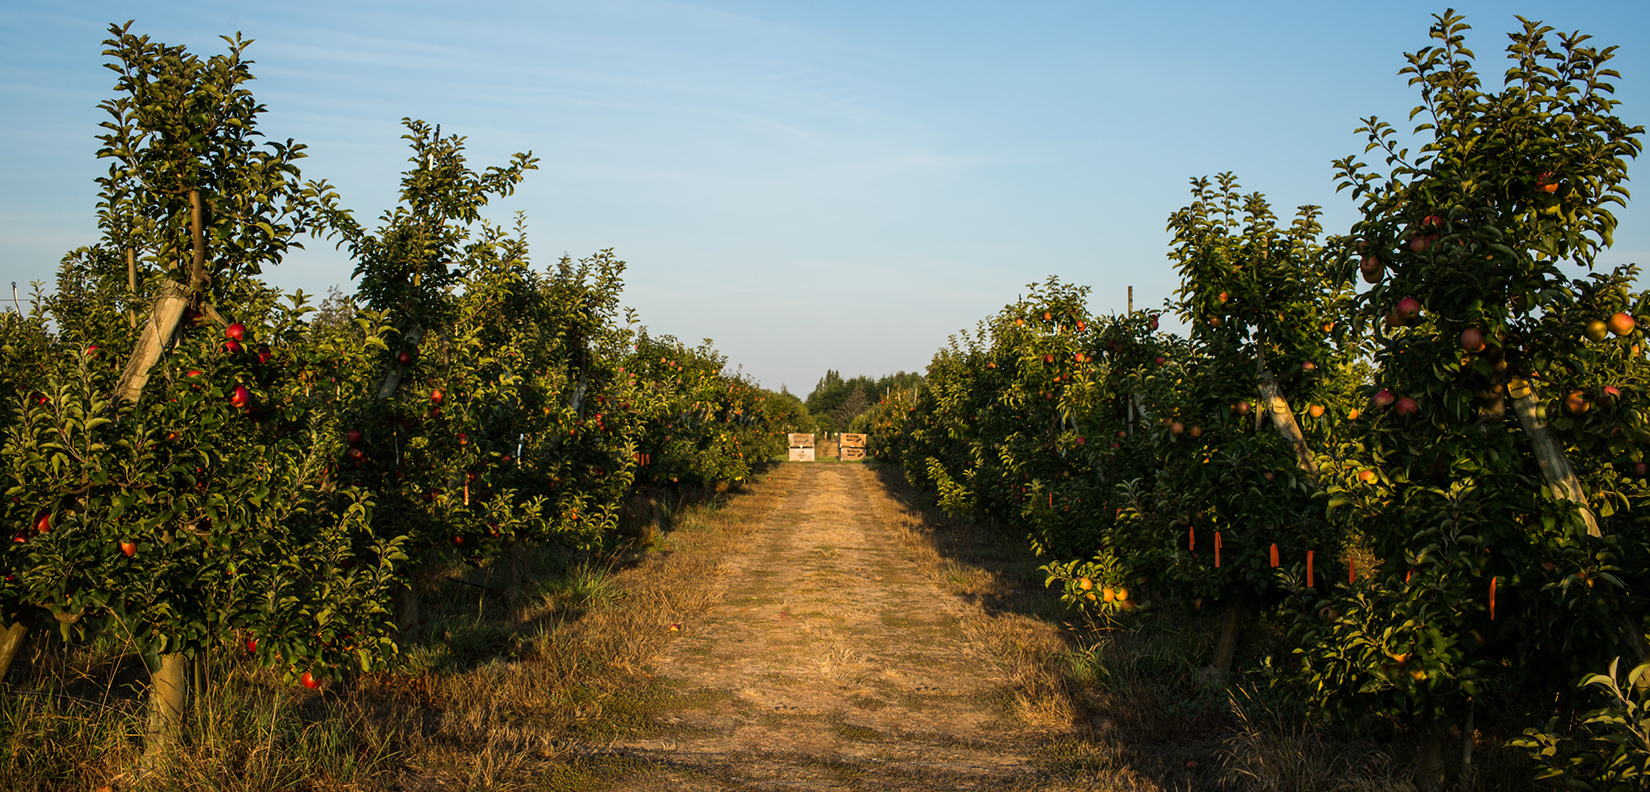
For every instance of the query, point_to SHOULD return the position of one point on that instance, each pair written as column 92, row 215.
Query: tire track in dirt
column 831, row 662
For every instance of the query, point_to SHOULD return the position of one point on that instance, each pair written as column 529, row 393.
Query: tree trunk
column 1555, row 466
column 1237, row 606
column 131, row 286
column 406, row 614
column 197, row 235
column 168, row 685
column 1283, row 418
column 392, row 378
column 11, row 642
column 515, row 560
column 1429, row 764
column 1468, row 777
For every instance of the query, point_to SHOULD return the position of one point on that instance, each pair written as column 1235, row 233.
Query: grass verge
column 492, row 697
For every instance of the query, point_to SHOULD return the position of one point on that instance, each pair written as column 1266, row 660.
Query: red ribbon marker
column 1492, row 599
column 1274, row 555
column 1309, row 569
column 1191, row 539
column 1217, row 549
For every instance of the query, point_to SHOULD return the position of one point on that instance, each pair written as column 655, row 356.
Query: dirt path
column 831, row 662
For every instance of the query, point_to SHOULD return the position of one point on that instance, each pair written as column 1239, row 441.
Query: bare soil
column 832, row 659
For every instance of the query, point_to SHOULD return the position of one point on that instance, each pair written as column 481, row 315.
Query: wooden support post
column 1549, row 455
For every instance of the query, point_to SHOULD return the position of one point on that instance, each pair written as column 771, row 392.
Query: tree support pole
column 11, row 642
column 168, row 686
column 1283, row 418
column 1555, row 466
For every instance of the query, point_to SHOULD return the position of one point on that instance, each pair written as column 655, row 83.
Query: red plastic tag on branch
column 1408, row 575
column 1309, row 554
column 1217, row 549
column 1492, row 599
column 1274, row 555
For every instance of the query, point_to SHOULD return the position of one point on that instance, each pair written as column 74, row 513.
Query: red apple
column 353, row 436
column 1352, row 415
column 1432, row 221
column 252, row 645
column 309, row 681
column 458, row 540
column 91, row 351
column 43, row 523
column 1472, row 339
column 1241, row 408
column 1371, row 268
column 1316, row 410
column 1622, row 323
column 264, row 355
column 235, row 332
column 241, row 397
column 1268, row 475
column 1215, row 321
column 1641, row 470
column 193, row 373
column 1160, row 360
column 1308, row 365
column 1221, row 297
column 403, row 357
column 357, row 454
column 1408, row 308
column 1151, row 322
column 129, row 548
column 1406, row 406
column 435, row 396
column 1596, row 331
column 1176, row 427
column 232, row 347
column 1366, row 476
column 463, row 438
column 1195, row 431
column 1383, row 397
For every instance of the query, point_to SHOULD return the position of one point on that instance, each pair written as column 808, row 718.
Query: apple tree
column 1495, row 485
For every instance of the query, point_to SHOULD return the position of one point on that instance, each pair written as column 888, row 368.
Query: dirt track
column 832, row 662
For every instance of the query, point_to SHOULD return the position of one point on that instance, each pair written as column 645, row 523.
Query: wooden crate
column 802, row 455
column 852, row 454
column 801, row 440
column 847, row 440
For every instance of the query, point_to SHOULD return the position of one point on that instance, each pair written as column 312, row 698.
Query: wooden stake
column 1549, row 455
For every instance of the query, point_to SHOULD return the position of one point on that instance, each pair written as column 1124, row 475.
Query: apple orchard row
column 1430, row 483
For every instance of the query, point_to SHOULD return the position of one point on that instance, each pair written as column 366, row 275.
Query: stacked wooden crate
column 802, row 447
column 850, row 447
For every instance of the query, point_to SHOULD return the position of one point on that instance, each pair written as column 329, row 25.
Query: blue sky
column 830, row 185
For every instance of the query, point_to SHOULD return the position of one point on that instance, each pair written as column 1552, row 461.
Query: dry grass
column 1008, row 614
